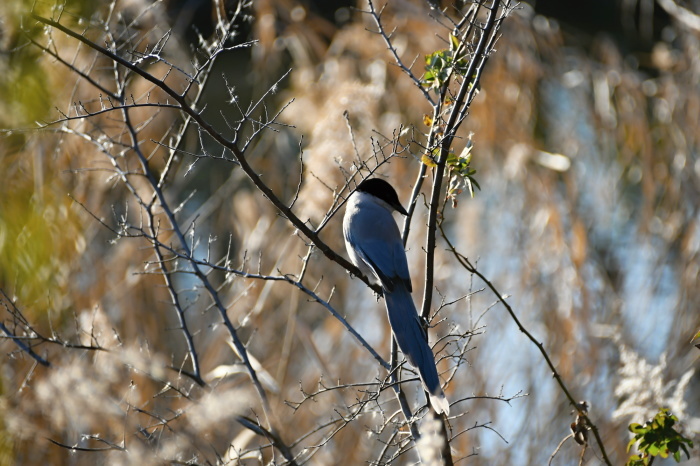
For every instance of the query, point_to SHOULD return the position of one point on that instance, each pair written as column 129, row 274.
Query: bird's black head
column 384, row 191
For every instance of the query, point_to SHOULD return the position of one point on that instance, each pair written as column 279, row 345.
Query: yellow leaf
column 427, row 120
column 426, row 159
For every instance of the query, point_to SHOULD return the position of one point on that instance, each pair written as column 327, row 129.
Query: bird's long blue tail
column 408, row 332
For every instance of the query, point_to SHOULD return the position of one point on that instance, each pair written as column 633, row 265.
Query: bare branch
column 464, row 262
column 376, row 16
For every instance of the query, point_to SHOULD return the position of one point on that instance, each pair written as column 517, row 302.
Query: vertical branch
column 213, row 294
column 175, row 299
column 459, row 110
column 149, row 207
column 211, row 291
column 400, row 395
column 437, row 129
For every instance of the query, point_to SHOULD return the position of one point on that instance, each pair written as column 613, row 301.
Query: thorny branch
column 27, row 337
column 197, row 117
column 466, row 263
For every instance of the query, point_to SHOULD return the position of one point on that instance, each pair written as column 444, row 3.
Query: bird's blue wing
column 374, row 238
column 388, row 261
column 401, row 266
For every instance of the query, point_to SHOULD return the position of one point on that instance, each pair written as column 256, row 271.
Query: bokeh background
column 585, row 138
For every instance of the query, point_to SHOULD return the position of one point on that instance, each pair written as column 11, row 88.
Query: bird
column 374, row 244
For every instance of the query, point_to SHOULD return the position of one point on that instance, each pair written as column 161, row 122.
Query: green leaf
column 437, row 66
column 631, row 442
column 472, row 180
column 452, row 159
column 634, row 428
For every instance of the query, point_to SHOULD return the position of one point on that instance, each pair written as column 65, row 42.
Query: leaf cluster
column 439, row 65
column 657, row 437
column 439, row 68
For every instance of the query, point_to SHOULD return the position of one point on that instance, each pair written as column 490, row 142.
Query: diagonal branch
column 252, row 174
column 377, row 16
column 464, row 262
column 23, row 346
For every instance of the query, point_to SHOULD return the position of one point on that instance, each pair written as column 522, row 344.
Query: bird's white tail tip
column 440, row 403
